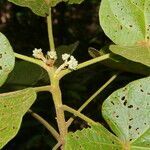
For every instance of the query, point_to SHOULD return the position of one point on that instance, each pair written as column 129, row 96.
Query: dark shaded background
column 72, row 23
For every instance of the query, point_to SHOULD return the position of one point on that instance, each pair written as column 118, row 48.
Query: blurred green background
column 71, row 23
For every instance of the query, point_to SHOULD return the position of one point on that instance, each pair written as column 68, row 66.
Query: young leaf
column 41, row 7
column 126, row 22
column 127, row 113
column 137, row 54
column 7, row 58
column 13, row 106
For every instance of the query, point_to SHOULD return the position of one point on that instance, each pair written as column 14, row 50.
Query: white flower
column 65, row 57
column 72, row 63
column 37, row 53
column 52, row 54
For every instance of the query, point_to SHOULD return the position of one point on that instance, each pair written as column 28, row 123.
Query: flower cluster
column 51, row 55
column 70, row 61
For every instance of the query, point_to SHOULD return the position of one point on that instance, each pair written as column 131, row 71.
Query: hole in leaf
column 121, row 27
column 130, row 106
column 112, row 102
column 130, row 119
column 130, row 126
column 142, row 90
column 123, row 98
column 125, row 103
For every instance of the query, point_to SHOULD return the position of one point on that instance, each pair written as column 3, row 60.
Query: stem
column 57, row 98
column 29, row 59
column 46, row 124
column 76, row 113
column 93, row 96
column 56, row 146
column 42, row 88
column 50, row 30
column 85, row 64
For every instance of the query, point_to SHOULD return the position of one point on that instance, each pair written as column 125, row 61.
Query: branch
column 50, row 31
column 76, row 113
column 57, row 146
column 42, row 88
column 85, row 64
column 30, row 59
column 46, row 124
column 93, row 96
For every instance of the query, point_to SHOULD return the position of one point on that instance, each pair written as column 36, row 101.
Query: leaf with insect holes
column 126, row 22
column 127, row 113
column 13, row 107
column 7, row 58
column 41, row 7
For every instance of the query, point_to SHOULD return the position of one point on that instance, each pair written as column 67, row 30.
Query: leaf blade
column 13, row 106
column 7, row 58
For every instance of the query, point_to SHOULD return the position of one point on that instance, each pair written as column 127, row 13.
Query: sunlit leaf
column 126, row 22
column 13, row 106
column 137, row 54
column 94, row 138
column 7, row 58
column 127, row 113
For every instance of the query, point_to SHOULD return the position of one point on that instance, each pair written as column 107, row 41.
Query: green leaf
column 127, row 113
column 55, row 2
column 69, row 49
column 41, row 7
column 94, row 138
column 134, row 53
column 126, row 22
column 25, row 74
column 13, row 106
column 120, row 62
column 7, row 58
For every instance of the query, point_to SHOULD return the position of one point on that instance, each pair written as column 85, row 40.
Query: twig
column 85, row 64
column 45, row 124
column 76, row 113
column 93, row 96
column 56, row 146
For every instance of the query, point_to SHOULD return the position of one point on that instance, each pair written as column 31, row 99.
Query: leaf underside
column 127, row 113
column 118, row 61
column 7, row 58
column 137, row 54
column 13, row 106
column 41, row 7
